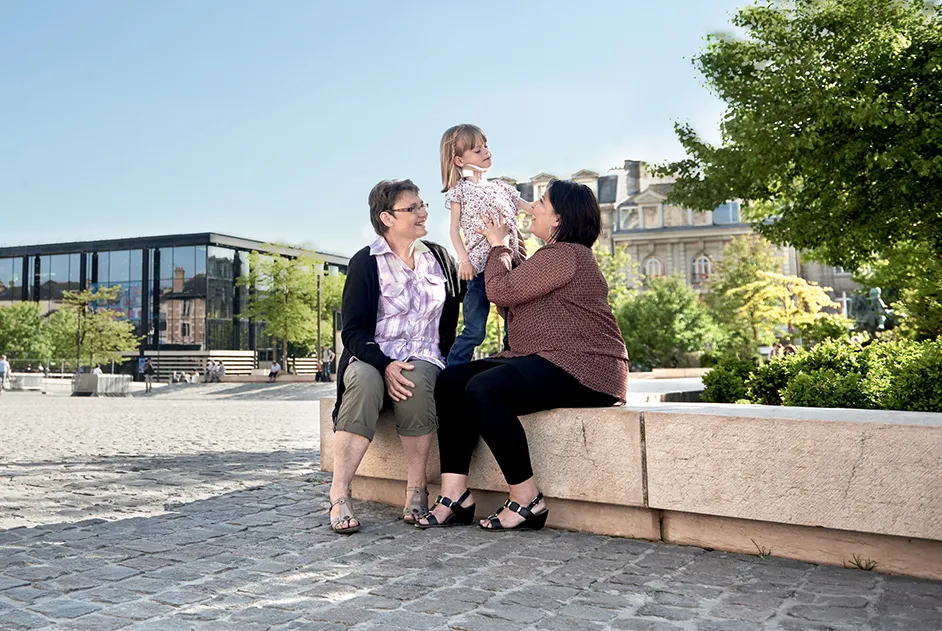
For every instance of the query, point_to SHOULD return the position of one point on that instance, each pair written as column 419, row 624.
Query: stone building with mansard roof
column 665, row 239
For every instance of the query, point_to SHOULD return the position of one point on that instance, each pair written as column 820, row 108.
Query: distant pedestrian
column 220, row 371
column 97, row 370
column 210, row 372
column 148, row 376
column 4, row 372
column 327, row 360
column 275, row 370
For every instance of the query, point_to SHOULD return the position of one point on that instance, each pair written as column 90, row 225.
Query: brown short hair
column 383, row 197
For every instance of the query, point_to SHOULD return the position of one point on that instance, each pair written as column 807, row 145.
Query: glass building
column 180, row 291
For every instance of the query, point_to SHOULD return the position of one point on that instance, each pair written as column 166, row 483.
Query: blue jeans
column 475, row 308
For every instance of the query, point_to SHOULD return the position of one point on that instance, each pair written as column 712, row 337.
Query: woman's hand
column 465, row 269
column 396, row 384
column 495, row 231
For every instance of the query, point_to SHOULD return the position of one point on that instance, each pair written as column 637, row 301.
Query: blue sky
column 272, row 120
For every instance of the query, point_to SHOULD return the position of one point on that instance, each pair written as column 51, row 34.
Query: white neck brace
column 469, row 170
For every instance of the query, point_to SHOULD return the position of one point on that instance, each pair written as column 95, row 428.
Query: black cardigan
column 360, row 304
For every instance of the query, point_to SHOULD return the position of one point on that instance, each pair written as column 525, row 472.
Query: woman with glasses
column 400, row 312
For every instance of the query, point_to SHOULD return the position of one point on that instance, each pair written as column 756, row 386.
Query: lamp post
column 320, row 273
column 78, row 341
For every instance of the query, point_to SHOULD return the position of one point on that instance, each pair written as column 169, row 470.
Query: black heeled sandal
column 460, row 515
column 531, row 520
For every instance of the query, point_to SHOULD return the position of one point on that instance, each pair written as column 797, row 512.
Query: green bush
column 897, row 375
column 726, row 383
column 881, row 365
column 766, row 384
column 915, row 383
column 826, row 388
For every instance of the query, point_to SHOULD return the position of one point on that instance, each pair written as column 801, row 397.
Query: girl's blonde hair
column 455, row 141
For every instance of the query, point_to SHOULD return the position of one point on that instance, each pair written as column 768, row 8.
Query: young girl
column 465, row 159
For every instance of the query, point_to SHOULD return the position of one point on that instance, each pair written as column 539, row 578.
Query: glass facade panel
column 200, row 251
column 166, row 311
column 75, row 272
column 104, row 264
column 137, row 265
column 10, row 271
column 221, row 262
column 58, row 279
column 132, row 300
column 220, row 298
column 120, row 267
column 219, row 334
column 166, row 263
column 184, row 259
column 45, row 286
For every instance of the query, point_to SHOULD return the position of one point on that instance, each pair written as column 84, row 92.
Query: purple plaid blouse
column 410, row 305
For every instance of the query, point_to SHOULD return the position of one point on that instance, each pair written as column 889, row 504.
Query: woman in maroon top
column 566, row 351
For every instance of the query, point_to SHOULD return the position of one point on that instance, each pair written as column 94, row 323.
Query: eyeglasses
column 415, row 208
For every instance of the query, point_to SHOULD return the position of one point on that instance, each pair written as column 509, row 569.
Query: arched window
column 702, row 268
column 653, row 268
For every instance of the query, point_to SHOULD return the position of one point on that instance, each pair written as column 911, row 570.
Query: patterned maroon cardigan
column 559, row 310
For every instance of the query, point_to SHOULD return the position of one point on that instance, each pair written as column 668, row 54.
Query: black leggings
column 483, row 399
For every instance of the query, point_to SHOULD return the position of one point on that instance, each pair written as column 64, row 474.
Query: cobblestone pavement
column 194, row 510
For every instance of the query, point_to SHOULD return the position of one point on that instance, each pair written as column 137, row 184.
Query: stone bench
column 819, row 485
column 89, row 385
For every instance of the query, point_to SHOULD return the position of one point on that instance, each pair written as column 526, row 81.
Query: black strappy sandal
column 460, row 515
column 531, row 520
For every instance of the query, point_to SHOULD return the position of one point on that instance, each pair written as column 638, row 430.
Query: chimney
column 178, row 273
column 633, row 176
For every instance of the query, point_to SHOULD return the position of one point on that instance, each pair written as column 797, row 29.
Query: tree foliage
column 744, row 259
column 285, row 297
column 103, row 333
column 664, row 324
column 775, row 301
column 833, row 125
column 22, row 332
column 618, row 270
column 915, row 277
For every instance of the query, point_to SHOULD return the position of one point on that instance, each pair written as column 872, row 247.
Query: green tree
column 832, row 127
column 285, row 297
column 664, row 324
column 22, row 332
column 777, row 301
column 100, row 333
column 744, row 259
column 61, row 329
column 618, row 270
column 916, row 275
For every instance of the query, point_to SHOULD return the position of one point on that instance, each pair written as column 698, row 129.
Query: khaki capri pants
column 363, row 397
